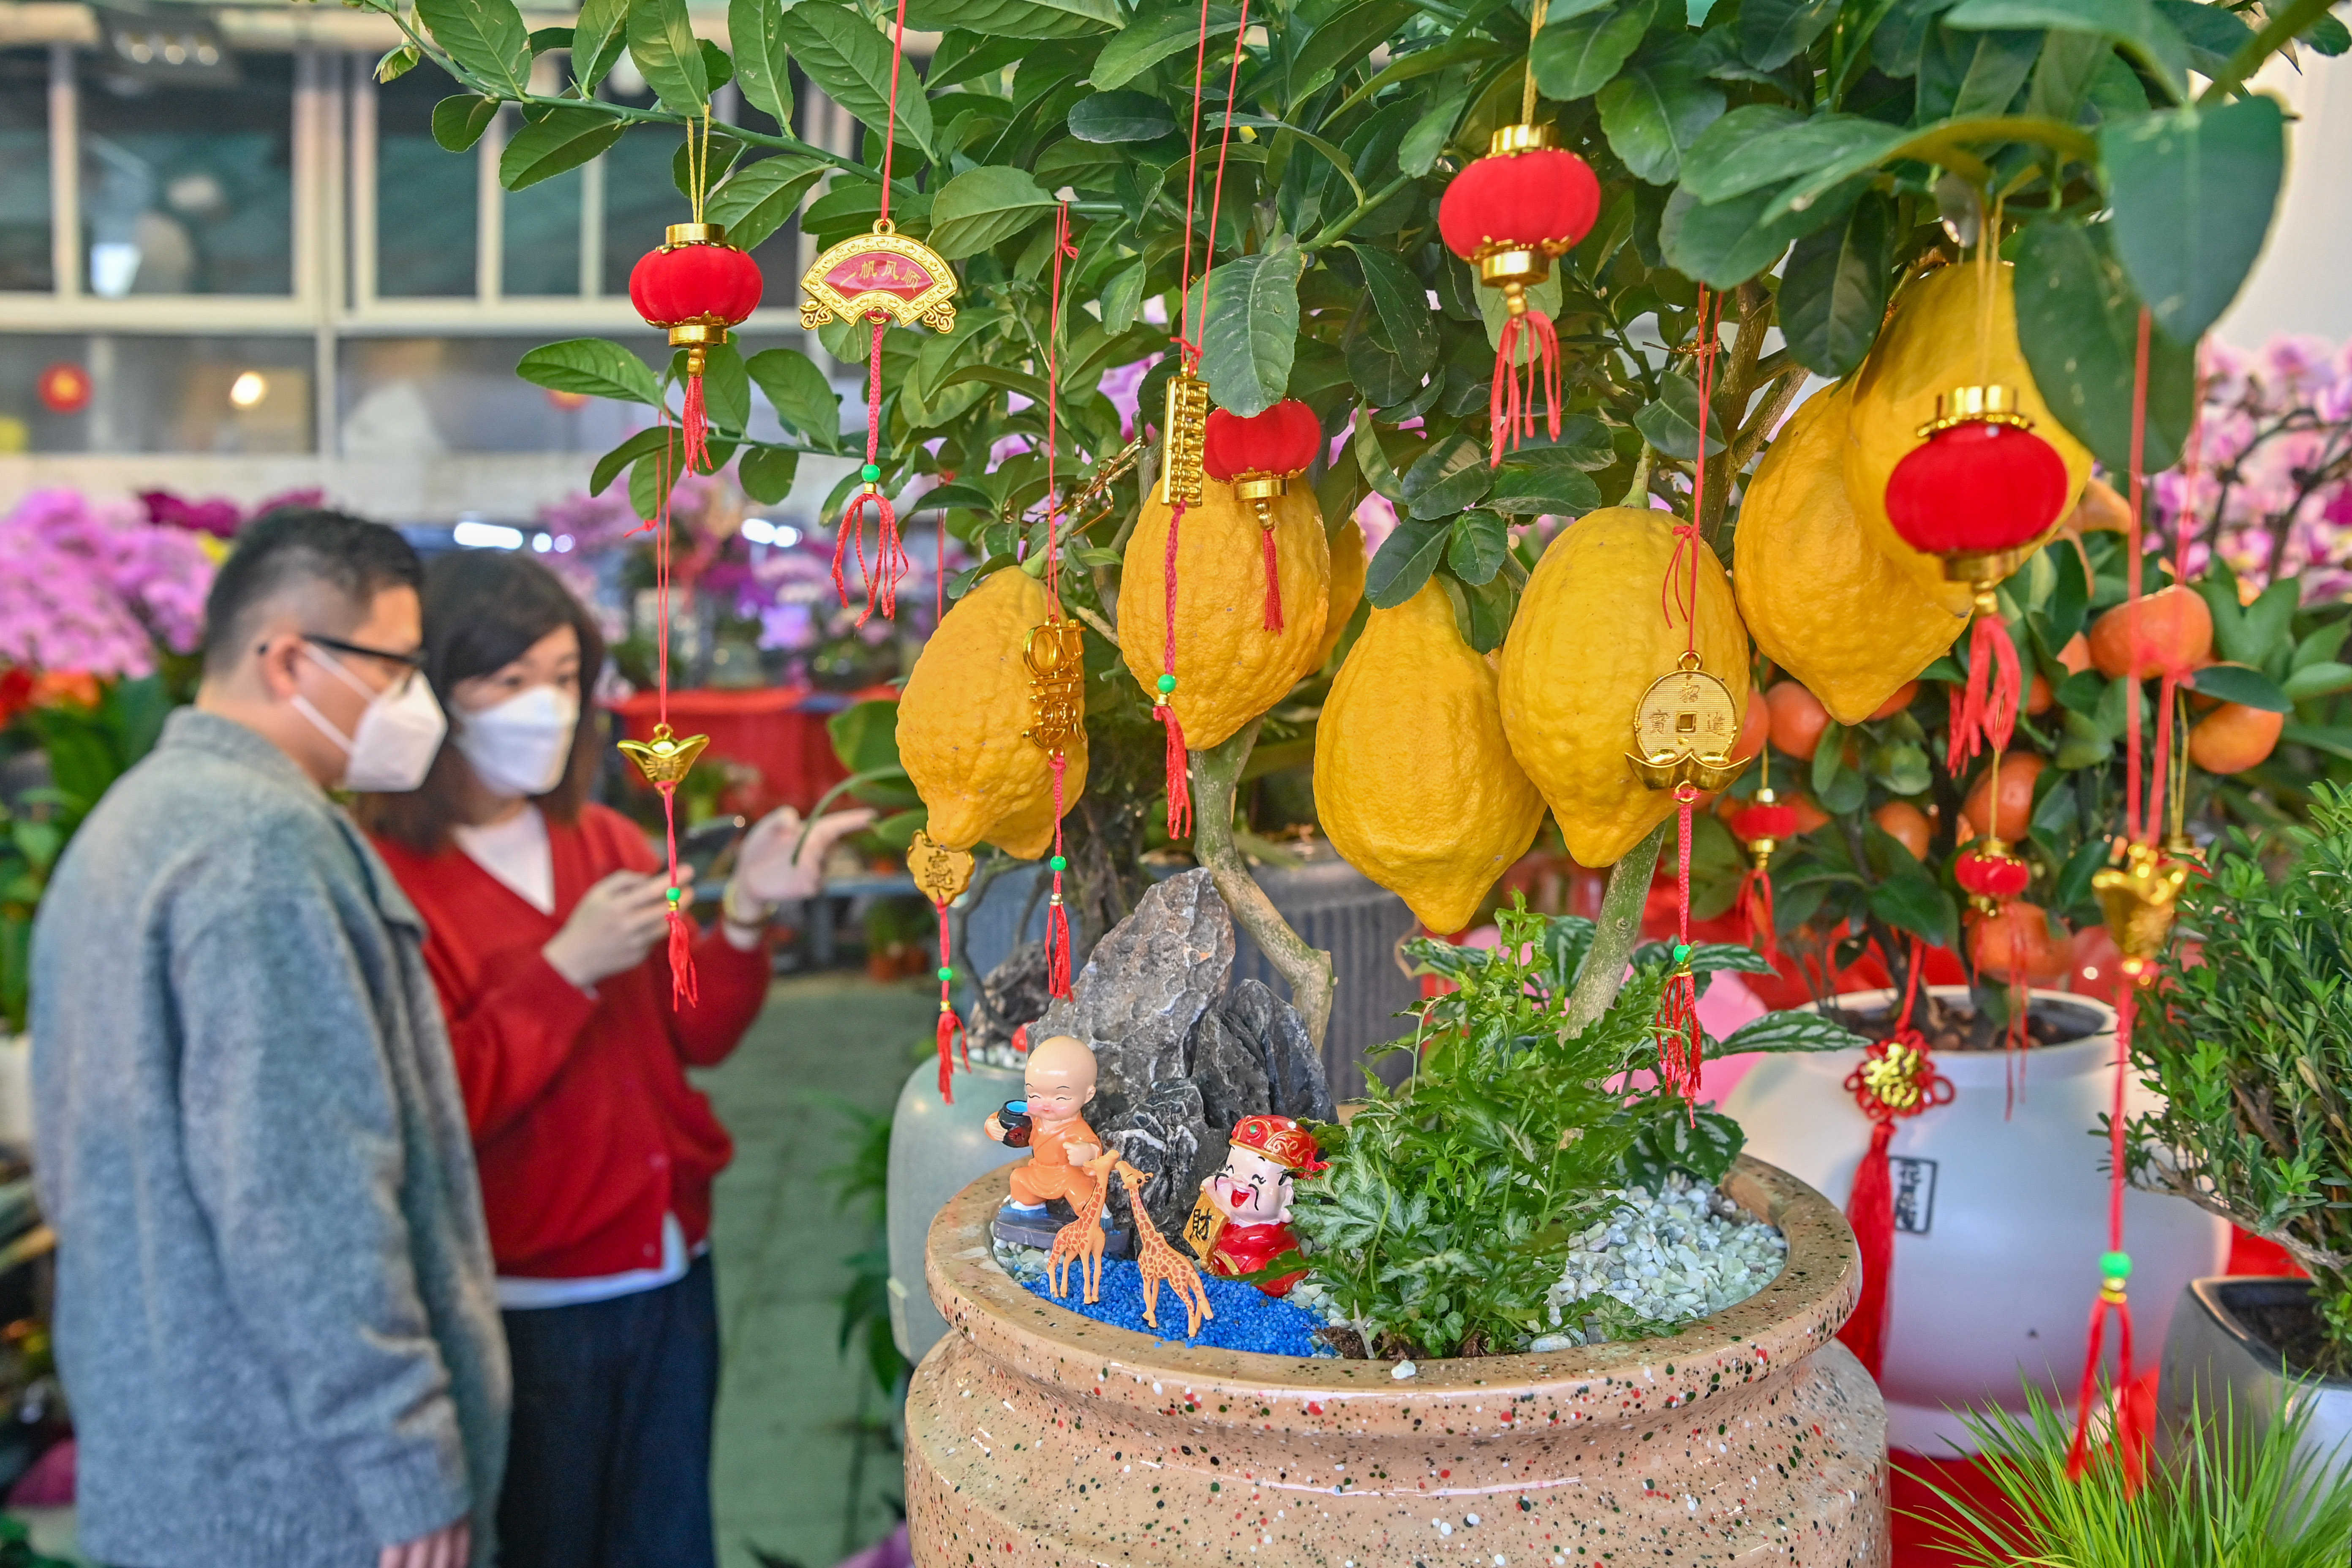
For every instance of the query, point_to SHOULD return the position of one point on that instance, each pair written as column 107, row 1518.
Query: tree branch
column 1617, row 931
column 1216, row 774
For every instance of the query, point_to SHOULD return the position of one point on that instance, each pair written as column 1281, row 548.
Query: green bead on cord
column 946, row 971
column 1167, row 683
column 2115, row 1266
column 1059, row 863
column 1682, row 953
column 870, row 473
column 676, row 894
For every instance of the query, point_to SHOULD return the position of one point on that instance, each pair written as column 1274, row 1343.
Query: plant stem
column 1637, row 494
column 1619, row 928
column 2282, row 25
column 1216, row 774
column 1339, row 226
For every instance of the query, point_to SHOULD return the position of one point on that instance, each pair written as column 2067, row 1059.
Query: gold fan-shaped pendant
column 664, row 759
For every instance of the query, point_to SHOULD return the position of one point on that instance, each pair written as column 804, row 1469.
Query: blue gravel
column 1247, row 1319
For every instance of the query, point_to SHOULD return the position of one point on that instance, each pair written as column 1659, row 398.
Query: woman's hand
column 782, row 861
column 614, row 926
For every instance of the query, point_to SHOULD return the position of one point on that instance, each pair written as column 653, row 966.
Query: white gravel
column 1683, row 1254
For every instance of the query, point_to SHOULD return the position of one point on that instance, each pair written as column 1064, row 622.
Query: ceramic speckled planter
column 1035, row 1435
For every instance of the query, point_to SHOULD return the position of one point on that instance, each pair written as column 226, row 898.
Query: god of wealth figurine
column 1242, row 1222
column 1058, row 1084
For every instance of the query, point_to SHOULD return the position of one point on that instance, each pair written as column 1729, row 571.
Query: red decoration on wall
column 1259, row 454
column 696, row 286
column 63, row 388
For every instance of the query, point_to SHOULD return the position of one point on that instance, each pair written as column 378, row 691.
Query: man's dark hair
column 483, row 610
column 296, row 545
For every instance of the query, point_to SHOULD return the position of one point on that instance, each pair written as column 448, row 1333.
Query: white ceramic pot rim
column 1969, row 1069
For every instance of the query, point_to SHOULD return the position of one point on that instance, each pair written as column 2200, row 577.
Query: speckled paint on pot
column 1036, row 1436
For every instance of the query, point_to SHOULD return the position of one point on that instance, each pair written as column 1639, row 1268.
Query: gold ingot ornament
column 1184, row 440
column 941, row 874
column 881, row 277
column 1056, row 653
column 2139, row 897
column 664, row 759
column 1684, row 730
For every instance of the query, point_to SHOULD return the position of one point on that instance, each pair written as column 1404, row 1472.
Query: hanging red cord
column 1897, row 1079
column 1057, row 917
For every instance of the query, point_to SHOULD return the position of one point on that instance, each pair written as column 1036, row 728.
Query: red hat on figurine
column 1282, row 1141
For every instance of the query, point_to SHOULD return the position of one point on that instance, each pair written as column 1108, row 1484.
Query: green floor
column 796, row 1478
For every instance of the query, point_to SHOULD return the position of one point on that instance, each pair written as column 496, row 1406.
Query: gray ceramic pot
column 2215, row 1353
column 937, row 1150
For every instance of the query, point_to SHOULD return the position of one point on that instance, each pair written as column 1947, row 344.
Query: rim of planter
column 2085, row 1053
column 1760, row 1338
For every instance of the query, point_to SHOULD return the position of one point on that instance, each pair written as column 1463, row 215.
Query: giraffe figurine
column 1082, row 1239
column 1158, row 1261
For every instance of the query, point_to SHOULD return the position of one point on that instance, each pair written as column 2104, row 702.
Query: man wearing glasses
column 276, row 1313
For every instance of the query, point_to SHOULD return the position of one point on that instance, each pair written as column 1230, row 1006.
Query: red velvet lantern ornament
column 1510, row 213
column 1761, row 825
column 1991, row 875
column 696, row 285
column 1259, row 454
column 1982, row 491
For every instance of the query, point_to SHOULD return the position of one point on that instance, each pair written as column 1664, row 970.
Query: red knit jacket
column 585, row 1128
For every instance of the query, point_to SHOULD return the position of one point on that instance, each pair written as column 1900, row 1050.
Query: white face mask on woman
column 521, row 746
column 399, row 731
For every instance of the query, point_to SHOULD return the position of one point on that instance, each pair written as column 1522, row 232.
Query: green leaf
column 712, row 160
column 1401, row 301
column 726, row 389
column 1668, row 1136
column 717, row 66
column 598, row 39
column 662, row 45
column 2336, row 740
column 485, row 37
column 397, row 63
column 1773, row 32
column 2078, row 322
column 2250, row 636
column 1576, row 56
column 1791, row 1032
column 2241, row 684
column 1963, row 75
column 759, row 198
column 1482, row 612
column 1911, row 900
column 1372, row 458
column 798, row 392
column 458, row 122
column 1452, row 475
column 2193, row 190
column 844, row 53
column 1122, row 296
column 1761, row 145
column 2319, row 680
column 609, row 466
column 594, row 366
column 1479, row 544
column 2135, row 24
column 1724, row 243
column 2213, row 34
column 1251, row 328
column 1401, row 567
column 1016, row 18
column 549, row 40
column 982, row 207
column 763, row 66
column 1653, row 113
column 1122, row 116
column 1153, row 36
column 766, row 473
column 1833, row 290
column 559, row 140
column 1343, row 37
column 1671, row 424
column 1426, row 139
column 1537, row 479
column 2326, row 36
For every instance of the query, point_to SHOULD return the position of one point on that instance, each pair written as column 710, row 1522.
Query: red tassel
column 1179, row 769
column 1510, row 400
column 2135, row 1408
column 1871, row 1212
column 891, row 563
column 1273, row 583
column 1986, row 717
column 1676, row 1026
column 951, row 1030
column 1756, row 908
column 1057, row 916
column 697, row 420
column 683, row 989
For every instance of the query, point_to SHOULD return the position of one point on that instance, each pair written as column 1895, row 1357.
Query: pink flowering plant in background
column 96, row 588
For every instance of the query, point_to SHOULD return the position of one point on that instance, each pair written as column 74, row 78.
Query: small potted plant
column 2249, row 1037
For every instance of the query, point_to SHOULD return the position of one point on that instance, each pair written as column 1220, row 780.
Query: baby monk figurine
column 1059, row 1082
column 1242, row 1223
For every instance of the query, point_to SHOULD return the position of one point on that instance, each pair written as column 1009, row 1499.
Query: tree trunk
column 1617, row 931
column 1216, row 773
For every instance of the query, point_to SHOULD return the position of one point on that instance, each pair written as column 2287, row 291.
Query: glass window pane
column 25, row 171
column 235, row 396
column 779, row 255
column 542, row 237
column 424, row 197
column 640, row 200
column 188, row 189
column 413, row 399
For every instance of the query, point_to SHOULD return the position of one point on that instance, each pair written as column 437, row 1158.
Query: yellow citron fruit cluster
column 1229, row 667
column 1590, row 638
column 1415, row 785
column 1346, row 591
column 1936, row 340
column 960, row 719
column 1825, row 604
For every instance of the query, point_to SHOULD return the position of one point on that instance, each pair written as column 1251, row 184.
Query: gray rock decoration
column 1012, row 993
column 1181, row 1056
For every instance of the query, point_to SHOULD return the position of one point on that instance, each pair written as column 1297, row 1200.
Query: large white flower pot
column 1997, row 1251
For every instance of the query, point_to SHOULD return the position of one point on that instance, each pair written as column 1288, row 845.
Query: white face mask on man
column 399, row 731
column 521, row 746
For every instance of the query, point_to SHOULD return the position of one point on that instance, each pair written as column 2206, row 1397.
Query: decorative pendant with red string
column 1183, row 449
column 664, row 760
column 696, row 286
column 1762, row 825
column 1684, row 729
column 1895, row 1081
column 1056, row 654
column 941, row 875
column 1259, row 454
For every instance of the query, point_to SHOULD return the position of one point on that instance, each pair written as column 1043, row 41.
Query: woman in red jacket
column 545, row 912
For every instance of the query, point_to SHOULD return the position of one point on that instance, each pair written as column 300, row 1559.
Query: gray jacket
column 275, row 1309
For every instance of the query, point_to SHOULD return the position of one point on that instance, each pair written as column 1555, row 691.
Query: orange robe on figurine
column 1059, row 1082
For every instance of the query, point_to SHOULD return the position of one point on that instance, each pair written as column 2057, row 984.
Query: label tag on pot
column 1203, row 1226
column 1915, row 1194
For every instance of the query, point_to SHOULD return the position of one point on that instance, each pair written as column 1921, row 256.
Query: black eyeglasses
column 409, row 660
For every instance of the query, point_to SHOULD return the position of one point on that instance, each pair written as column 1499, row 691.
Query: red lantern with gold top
column 1259, row 454
column 1509, row 214
column 696, row 286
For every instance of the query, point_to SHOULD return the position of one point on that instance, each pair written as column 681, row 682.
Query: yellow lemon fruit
column 1414, row 784
column 1346, row 591
column 1229, row 667
column 1590, row 638
column 1822, row 600
column 960, row 721
column 1935, row 340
